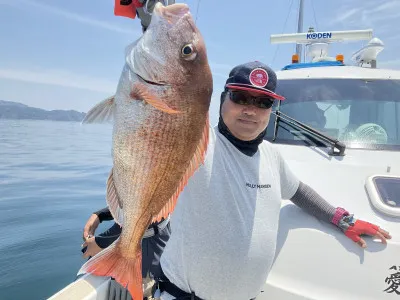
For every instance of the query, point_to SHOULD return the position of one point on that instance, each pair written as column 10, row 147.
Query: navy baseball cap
column 253, row 77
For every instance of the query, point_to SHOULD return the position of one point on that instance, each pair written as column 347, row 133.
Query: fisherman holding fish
column 224, row 184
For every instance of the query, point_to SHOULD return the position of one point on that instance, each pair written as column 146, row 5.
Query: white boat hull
column 87, row 287
column 315, row 260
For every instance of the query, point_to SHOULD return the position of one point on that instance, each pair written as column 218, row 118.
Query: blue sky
column 69, row 55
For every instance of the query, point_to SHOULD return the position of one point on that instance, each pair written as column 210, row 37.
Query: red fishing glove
column 126, row 8
column 354, row 228
column 359, row 228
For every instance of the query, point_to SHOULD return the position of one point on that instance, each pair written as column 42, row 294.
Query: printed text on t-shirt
column 258, row 186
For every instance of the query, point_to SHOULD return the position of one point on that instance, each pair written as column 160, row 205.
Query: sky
column 69, row 54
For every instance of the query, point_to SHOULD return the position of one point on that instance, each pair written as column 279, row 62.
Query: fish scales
column 160, row 135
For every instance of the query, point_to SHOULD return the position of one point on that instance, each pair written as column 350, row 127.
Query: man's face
column 245, row 122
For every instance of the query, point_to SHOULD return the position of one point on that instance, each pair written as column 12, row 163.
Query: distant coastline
column 18, row 111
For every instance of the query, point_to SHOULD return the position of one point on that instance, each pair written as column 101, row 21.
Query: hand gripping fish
column 160, row 135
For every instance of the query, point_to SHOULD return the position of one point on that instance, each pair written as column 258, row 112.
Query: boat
column 339, row 131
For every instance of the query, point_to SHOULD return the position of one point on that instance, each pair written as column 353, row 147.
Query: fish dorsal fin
column 141, row 92
column 130, row 53
column 114, row 204
column 194, row 164
column 101, row 112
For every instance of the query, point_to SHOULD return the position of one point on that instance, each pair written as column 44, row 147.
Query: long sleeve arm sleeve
column 104, row 214
column 310, row 201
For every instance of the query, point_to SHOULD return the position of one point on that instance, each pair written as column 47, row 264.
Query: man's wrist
column 346, row 221
column 339, row 214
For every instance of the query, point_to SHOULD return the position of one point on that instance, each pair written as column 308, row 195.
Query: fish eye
column 188, row 52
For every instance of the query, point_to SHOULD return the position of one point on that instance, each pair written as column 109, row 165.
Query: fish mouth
column 151, row 82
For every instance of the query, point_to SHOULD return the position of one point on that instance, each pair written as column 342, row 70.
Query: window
column 384, row 191
column 361, row 113
column 389, row 190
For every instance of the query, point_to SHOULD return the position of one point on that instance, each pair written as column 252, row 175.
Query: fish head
column 171, row 52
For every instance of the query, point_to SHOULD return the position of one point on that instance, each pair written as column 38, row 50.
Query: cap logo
column 259, row 77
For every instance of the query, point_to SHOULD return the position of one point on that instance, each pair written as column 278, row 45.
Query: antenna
column 300, row 26
column 369, row 53
column 322, row 36
column 318, row 42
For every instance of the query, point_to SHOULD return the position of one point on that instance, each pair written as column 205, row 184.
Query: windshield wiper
column 281, row 117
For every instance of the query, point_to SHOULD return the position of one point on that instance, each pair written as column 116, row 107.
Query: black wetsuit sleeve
column 104, row 214
column 106, row 238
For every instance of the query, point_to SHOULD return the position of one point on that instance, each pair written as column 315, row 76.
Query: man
column 224, row 226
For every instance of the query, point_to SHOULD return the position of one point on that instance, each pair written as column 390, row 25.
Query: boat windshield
column 363, row 114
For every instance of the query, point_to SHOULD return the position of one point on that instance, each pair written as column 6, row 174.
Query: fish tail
column 126, row 271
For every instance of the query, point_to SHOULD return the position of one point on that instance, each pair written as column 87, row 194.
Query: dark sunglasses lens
column 265, row 102
column 244, row 99
column 239, row 98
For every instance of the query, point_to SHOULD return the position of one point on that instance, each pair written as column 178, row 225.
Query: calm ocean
column 52, row 177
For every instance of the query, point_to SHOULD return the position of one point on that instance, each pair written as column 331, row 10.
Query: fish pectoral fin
column 101, row 112
column 114, row 203
column 141, row 92
column 197, row 160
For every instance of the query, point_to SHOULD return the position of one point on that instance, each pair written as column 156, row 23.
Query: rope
column 315, row 17
column 197, row 10
column 284, row 27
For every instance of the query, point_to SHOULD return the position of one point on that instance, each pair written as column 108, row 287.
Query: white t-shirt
column 224, row 227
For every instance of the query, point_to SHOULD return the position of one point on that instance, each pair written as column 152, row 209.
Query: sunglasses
column 241, row 98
